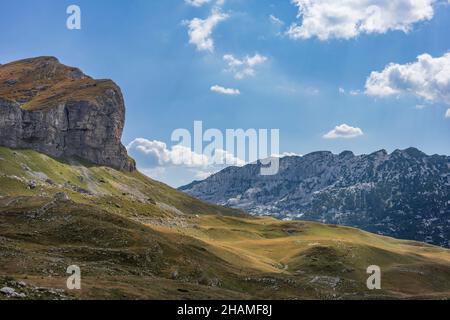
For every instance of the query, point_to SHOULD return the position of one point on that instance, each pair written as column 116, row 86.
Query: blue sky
column 308, row 82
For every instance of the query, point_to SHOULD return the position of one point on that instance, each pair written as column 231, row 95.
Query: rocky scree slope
column 58, row 110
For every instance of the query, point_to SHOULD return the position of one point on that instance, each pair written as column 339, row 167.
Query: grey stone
column 32, row 185
column 61, row 196
column 8, row 291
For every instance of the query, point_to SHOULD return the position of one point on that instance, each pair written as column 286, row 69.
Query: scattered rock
column 326, row 281
column 82, row 191
column 10, row 82
column 175, row 275
column 8, row 291
column 61, row 196
column 32, row 185
column 11, row 293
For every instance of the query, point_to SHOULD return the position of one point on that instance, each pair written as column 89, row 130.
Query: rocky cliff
column 405, row 194
column 58, row 110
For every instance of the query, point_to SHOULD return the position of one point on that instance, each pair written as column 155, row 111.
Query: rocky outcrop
column 58, row 110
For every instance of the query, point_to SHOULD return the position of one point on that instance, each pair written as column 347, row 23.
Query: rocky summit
column 58, row 110
column 405, row 194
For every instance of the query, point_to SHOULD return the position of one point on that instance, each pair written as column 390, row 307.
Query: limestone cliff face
column 59, row 111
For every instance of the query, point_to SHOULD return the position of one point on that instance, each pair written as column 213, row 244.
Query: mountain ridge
column 403, row 189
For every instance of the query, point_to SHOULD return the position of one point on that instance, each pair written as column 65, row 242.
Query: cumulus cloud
column 200, row 31
column 346, row 19
column 178, row 165
column 245, row 67
column 447, row 114
column 427, row 78
column 344, row 131
column 159, row 155
column 226, row 91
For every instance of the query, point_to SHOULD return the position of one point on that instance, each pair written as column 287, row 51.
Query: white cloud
column 197, row 3
column 160, row 155
column 178, row 165
column 287, row 154
column 350, row 92
column 245, row 67
column 227, row 91
column 200, row 31
column 346, row 19
column 276, row 21
column 202, row 175
column 344, row 131
column 427, row 78
column 222, row 157
column 447, row 114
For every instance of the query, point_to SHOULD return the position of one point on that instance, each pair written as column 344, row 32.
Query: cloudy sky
column 336, row 75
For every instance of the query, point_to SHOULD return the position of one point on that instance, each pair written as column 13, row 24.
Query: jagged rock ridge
column 405, row 194
column 58, row 110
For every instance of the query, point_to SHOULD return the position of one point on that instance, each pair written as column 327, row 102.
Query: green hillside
column 137, row 238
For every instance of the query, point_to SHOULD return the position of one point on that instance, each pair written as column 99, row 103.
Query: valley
column 135, row 238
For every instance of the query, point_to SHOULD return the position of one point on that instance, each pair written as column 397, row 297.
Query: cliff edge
column 58, row 110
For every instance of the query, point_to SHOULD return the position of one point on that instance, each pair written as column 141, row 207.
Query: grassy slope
column 137, row 238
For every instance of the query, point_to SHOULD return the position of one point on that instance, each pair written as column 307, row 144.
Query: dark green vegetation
column 135, row 238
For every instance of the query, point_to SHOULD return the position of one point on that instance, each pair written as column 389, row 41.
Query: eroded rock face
column 57, row 110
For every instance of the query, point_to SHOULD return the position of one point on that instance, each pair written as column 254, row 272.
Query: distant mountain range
column 405, row 194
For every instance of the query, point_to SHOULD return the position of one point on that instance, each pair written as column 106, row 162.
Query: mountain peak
column 381, row 152
column 346, row 154
column 411, row 152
